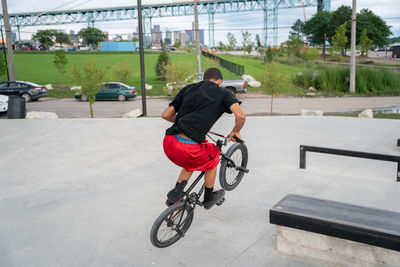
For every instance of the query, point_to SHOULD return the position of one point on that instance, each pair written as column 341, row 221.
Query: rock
column 148, row 87
column 133, row 114
column 248, row 78
column 310, row 94
column 41, row 115
column 254, row 84
column 305, row 112
column 49, row 87
column 76, row 88
column 368, row 114
column 311, row 89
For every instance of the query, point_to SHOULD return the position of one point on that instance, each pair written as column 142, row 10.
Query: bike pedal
column 219, row 203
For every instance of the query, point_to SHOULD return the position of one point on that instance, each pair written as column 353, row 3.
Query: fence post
column 302, row 157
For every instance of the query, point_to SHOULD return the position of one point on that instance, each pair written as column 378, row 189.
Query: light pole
column 196, row 38
column 10, row 51
column 141, row 51
column 353, row 49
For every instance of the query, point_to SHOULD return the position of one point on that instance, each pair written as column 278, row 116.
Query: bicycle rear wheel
column 229, row 177
column 171, row 225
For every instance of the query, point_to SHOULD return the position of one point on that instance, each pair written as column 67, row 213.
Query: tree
column 177, row 44
column 90, row 80
column 269, row 57
column 92, row 36
column 45, row 37
column 61, row 37
column 221, row 46
column 231, row 40
column 378, row 30
column 123, row 72
column 295, row 46
column 162, row 61
column 3, row 66
column 317, row 27
column 60, row 61
column 365, row 43
column 246, row 41
column 339, row 41
column 176, row 75
column 272, row 81
column 340, row 16
column 296, row 30
column 258, row 41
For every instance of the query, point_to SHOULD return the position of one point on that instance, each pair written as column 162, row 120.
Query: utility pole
column 10, row 51
column 196, row 39
column 353, row 49
column 141, row 51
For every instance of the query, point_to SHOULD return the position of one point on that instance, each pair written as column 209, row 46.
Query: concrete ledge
column 333, row 250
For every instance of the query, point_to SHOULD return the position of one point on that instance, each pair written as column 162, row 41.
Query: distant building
column 396, row 50
column 156, row 35
column 181, row 37
column 168, row 37
column 117, row 38
column 73, row 37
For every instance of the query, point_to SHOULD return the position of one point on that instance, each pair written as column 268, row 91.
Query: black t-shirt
column 199, row 106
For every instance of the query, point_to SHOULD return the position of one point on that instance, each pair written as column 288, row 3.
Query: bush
column 177, row 77
column 310, row 54
column 123, row 72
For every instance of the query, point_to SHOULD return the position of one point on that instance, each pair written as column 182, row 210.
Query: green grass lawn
column 39, row 68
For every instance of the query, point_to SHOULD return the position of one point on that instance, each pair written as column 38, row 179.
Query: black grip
column 238, row 139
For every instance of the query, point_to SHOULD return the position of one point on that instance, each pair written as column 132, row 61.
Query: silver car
column 3, row 103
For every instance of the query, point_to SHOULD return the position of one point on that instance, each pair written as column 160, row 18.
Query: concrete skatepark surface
column 85, row 192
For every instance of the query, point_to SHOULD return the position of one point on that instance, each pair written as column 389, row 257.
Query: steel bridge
column 184, row 8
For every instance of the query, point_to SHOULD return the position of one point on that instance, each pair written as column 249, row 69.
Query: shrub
column 123, row 72
column 177, row 76
column 310, row 54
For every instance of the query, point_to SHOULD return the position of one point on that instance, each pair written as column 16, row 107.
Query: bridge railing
column 232, row 67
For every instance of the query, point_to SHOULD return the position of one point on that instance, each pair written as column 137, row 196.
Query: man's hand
column 232, row 134
column 240, row 118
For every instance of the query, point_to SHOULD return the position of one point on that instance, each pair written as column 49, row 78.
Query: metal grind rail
column 348, row 153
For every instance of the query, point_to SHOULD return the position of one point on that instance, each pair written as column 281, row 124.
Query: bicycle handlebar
column 234, row 137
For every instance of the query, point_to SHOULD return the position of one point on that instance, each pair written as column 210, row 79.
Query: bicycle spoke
column 232, row 173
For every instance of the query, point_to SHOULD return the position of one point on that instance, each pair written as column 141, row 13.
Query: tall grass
column 336, row 80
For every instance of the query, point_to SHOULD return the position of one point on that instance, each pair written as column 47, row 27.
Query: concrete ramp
column 85, row 192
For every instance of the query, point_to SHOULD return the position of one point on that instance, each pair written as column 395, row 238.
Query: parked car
column 29, row 91
column 71, row 48
column 83, row 48
column 3, row 103
column 57, row 47
column 234, row 86
column 111, row 91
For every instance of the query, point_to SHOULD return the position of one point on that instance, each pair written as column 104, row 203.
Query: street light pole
column 141, row 51
column 10, row 51
column 196, row 38
column 353, row 49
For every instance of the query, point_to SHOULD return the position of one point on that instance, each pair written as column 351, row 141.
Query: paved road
column 71, row 108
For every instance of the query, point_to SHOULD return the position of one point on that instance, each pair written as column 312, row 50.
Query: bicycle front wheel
column 171, row 225
column 229, row 176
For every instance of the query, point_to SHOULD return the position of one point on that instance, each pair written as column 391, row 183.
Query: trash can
column 16, row 107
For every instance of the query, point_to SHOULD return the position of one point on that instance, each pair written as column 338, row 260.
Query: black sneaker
column 216, row 196
column 176, row 194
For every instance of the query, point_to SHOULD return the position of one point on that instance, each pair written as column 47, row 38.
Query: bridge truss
column 184, row 8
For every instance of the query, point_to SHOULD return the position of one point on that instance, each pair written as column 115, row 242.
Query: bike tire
column 168, row 218
column 229, row 177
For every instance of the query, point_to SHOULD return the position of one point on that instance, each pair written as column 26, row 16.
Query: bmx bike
column 173, row 223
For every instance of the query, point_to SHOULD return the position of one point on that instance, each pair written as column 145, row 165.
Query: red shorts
column 191, row 157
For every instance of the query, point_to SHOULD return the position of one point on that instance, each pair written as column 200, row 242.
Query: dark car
column 111, row 91
column 29, row 91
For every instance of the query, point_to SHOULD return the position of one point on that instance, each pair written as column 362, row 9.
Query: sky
column 224, row 23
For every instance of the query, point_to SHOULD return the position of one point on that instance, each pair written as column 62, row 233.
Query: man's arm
column 240, row 119
column 169, row 114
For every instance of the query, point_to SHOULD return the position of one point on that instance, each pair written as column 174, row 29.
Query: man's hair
column 212, row 73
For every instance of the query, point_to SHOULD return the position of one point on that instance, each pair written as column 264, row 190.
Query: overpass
column 184, row 8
